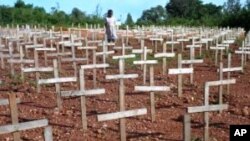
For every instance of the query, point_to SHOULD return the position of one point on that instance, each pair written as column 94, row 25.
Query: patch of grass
column 129, row 62
column 239, row 40
column 151, row 57
column 2, row 83
column 16, row 80
column 226, row 52
column 32, row 83
column 112, row 62
column 199, row 57
column 206, row 54
column 47, row 75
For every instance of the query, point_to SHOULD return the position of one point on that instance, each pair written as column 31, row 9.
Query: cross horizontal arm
column 123, row 114
column 152, row 88
column 93, row 92
column 23, row 126
column 206, row 108
column 57, row 80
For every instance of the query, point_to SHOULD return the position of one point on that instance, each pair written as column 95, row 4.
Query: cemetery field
column 66, row 121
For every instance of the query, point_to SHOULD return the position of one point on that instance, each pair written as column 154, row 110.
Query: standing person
column 110, row 25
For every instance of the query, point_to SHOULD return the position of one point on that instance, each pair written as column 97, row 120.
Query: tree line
column 175, row 12
column 195, row 13
column 22, row 13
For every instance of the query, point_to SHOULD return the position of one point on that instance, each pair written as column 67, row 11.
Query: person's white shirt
column 111, row 21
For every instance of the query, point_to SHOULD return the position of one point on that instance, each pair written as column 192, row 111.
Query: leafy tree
column 19, row 4
column 5, row 14
column 184, row 9
column 232, row 6
column 211, row 9
column 154, row 15
column 39, row 15
column 129, row 21
column 77, row 15
column 247, row 4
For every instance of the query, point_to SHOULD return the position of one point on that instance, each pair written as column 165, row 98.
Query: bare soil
column 170, row 108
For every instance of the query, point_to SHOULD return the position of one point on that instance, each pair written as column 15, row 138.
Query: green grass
column 16, row 80
column 129, row 62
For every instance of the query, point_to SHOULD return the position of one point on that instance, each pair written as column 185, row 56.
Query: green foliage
column 129, row 21
column 184, row 9
column 176, row 12
column 23, row 13
column 16, row 80
column 232, row 6
column 129, row 62
column 155, row 15
column 195, row 13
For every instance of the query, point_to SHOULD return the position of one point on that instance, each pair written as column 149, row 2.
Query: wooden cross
column 87, row 48
column 73, row 59
column 192, row 60
column 155, row 40
column 83, row 93
column 127, row 36
column 94, row 66
column 152, row 88
column 28, row 47
column 179, row 71
column 6, row 101
column 51, row 46
column 207, row 41
column 11, row 56
column 56, row 80
column 21, row 61
column 195, row 44
column 244, row 52
column 182, row 41
column 229, row 69
column 16, row 127
column 205, row 109
column 172, row 42
column 2, row 49
column 164, row 57
column 220, row 47
column 14, row 113
column 7, row 55
column 122, row 114
column 123, row 48
column 144, row 61
column 38, row 69
column 59, row 54
column 104, row 53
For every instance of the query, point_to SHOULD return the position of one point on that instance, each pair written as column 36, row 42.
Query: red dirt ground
column 170, row 109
